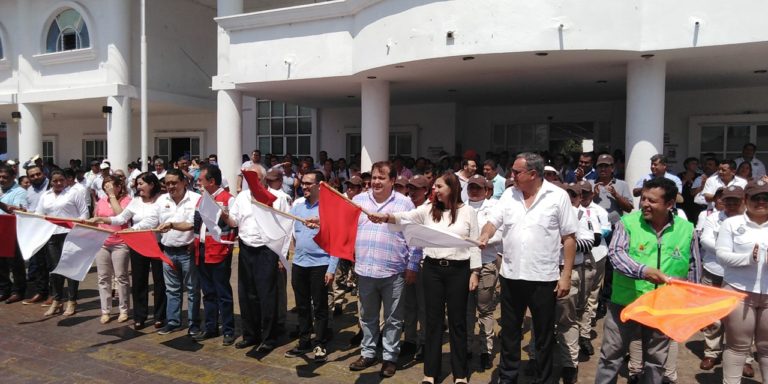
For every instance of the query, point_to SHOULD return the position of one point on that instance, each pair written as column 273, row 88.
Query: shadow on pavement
column 183, row 343
column 74, row 320
column 122, row 334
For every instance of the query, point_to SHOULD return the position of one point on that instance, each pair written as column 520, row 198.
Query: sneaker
column 297, row 351
column 123, row 317
column 228, row 340
column 320, row 354
column 169, row 328
column 105, row 319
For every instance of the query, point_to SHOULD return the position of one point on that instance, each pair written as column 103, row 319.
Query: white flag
column 79, row 251
column 210, row 212
column 278, row 230
column 417, row 235
column 32, row 233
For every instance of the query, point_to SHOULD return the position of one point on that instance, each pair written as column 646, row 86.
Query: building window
column 68, row 31
column 556, row 137
column 94, row 150
column 725, row 141
column 400, row 144
column 172, row 148
column 283, row 128
column 49, row 148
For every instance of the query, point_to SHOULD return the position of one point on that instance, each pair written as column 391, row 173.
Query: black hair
column 212, row 172
column 669, row 187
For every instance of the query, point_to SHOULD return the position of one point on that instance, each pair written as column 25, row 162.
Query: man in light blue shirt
column 658, row 169
column 312, row 273
column 12, row 197
column 489, row 171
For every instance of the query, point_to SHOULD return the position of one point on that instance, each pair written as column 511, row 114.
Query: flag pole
column 78, row 221
column 344, row 197
column 137, row 230
column 279, row 212
column 95, row 228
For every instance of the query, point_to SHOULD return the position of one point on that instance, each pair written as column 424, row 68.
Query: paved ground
column 80, row 350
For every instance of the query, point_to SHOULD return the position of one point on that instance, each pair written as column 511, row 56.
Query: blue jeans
column 185, row 271
column 373, row 293
column 217, row 294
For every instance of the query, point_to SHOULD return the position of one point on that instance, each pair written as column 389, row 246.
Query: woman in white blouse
column 61, row 201
column 448, row 274
column 741, row 250
column 144, row 214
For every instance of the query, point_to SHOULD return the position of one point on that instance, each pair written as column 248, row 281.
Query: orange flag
column 258, row 191
column 338, row 224
column 680, row 309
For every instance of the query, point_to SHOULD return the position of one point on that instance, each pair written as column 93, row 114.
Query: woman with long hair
column 61, row 201
column 112, row 260
column 448, row 274
column 144, row 213
column 740, row 249
column 745, row 170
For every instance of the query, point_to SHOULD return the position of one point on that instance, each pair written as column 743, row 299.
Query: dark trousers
column 38, row 271
column 516, row 297
column 257, row 293
column 445, row 286
column 217, row 294
column 140, row 267
column 54, row 246
column 311, row 295
column 13, row 266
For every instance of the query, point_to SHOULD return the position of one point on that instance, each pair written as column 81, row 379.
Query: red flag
column 69, row 224
column 8, row 230
column 680, row 309
column 145, row 243
column 338, row 224
column 258, row 191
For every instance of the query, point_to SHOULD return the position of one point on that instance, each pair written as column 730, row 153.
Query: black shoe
column 297, row 351
column 486, row 362
column 354, row 342
column 194, row 332
column 419, row 355
column 362, row 363
column 264, row 348
column 228, row 340
column 633, row 379
column 200, row 336
column 245, row 343
column 585, row 346
column 139, row 325
column 168, row 329
column 570, row 375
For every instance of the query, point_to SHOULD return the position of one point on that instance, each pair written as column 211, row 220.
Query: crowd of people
column 561, row 242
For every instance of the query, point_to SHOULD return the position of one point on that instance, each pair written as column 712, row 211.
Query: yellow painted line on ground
column 165, row 367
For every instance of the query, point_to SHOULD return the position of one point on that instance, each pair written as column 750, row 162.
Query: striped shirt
column 379, row 252
column 619, row 256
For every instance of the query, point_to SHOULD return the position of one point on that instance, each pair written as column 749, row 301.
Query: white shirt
column 144, row 215
column 708, row 239
column 484, row 209
column 250, row 232
column 96, row 185
column 161, row 174
column 79, row 188
column 279, row 192
column 532, row 236
column 170, row 212
column 465, row 226
column 715, row 183
column 735, row 242
column 601, row 224
column 758, row 168
column 464, row 184
column 244, row 184
column 69, row 203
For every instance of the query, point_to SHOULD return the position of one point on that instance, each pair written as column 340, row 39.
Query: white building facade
column 65, row 63
column 417, row 77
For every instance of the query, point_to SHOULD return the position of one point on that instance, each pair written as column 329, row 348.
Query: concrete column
column 119, row 50
column 119, row 132
column 645, row 115
column 30, row 131
column 374, row 134
column 12, row 137
column 229, row 134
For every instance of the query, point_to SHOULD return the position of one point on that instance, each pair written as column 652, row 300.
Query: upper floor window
column 67, row 32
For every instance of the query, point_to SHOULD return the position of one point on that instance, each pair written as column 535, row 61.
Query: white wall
column 70, row 133
column 436, row 122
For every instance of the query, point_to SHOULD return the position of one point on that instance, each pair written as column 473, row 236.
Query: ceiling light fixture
column 16, row 116
column 647, row 55
column 760, row 71
column 106, row 110
column 468, row 58
column 542, row 54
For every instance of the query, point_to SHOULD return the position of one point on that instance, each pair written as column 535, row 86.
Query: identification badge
column 641, row 247
column 676, row 254
column 741, row 230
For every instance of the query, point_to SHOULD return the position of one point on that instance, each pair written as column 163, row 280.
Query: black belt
column 181, row 248
column 447, row 263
